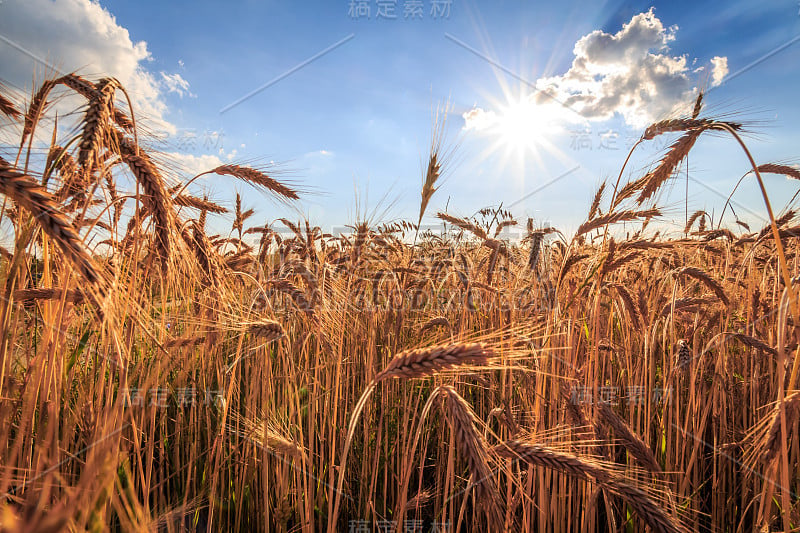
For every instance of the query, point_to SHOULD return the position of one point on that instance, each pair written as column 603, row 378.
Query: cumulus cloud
column 193, row 164
column 719, row 69
column 80, row 35
column 632, row 73
column 479, row 119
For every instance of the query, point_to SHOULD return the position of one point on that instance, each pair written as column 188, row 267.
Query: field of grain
column 157, row 377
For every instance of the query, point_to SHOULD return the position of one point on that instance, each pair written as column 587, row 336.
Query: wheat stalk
column 7, row 107
column 295, row 293
column 474, row 448
column 464, row 224
column 770, row 445
column 684, row 356
column 632, row 442
column 255, row 177
column 752, row 342
column 268, row 330
column 653, row 180
column 155, row 193
column 69, row 295
column 410, row 364
column 184, row 342
column 432, row 174
column 692, row 219
column 267, row 436
column 598, row 196
column 423, row 362
column 438, row 321
column 774, row 168
column 36, row 108
column 591, row 470
column 26, row 192
column 88, row 90
column 684, row 124
column 419, row 500
column 628, row 303
column 698, row 105
column 614, row 217
column 708, row 281
column 685, row 304
column 96, row 122
column 202, row 204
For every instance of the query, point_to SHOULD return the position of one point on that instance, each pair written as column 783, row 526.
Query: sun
column 521, row 126
column 521, row 132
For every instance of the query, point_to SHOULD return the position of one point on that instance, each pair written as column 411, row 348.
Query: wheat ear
column 408, row 364
column 26, row 192
column 588, row 469
column 632, row 442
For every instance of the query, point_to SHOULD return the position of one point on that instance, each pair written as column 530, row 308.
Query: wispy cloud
column 174, row 83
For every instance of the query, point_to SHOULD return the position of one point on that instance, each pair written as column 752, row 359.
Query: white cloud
column 80, row 35
column 192, row 164
column 632, row 73
column 479, row 119
column 174, row 83
column 319, row 153
column 719, row 70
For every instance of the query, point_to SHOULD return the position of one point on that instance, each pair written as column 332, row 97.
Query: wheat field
column 158, row 377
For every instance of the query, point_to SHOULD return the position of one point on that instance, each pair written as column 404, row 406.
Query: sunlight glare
column 520, row 125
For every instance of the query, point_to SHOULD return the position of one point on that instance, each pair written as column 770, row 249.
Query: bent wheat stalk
column 26, row 192
column 473, row 447
column 770, row 444
column 784, row 266
column 251, row 175
column 590, row 470
column 410, row 364
column 632, row 442
column 8, row 108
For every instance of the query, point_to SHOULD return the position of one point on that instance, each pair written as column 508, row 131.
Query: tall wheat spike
column 614, row 217
column 27, row 193
column 676, row 153
column 410, row 364
column 7, row 107
column 588, row 469
column 632, row 442
column 256, row 177
column 422, row 362
column 96, row 122
column 155, row 193
column 474, row 448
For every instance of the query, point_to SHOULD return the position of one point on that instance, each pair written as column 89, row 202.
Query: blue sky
column 354, row 125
